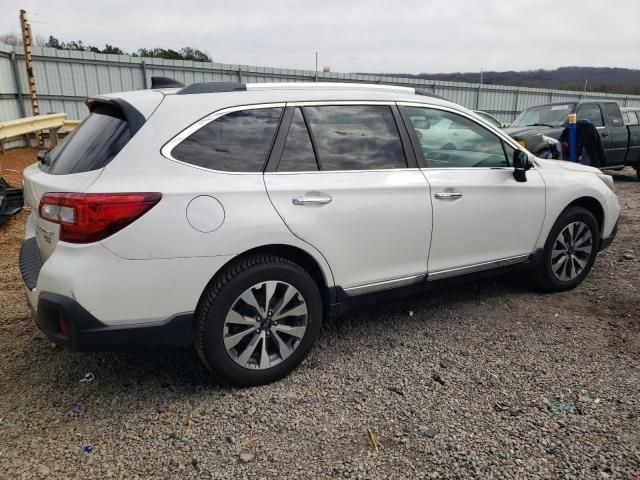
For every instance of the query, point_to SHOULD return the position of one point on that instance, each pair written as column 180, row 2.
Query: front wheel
column 257, row 320
column 569, row 251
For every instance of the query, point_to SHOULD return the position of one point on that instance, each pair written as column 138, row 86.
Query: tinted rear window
column 92, row 145
column 613, row 111
column 358, row 137
column 237, row 142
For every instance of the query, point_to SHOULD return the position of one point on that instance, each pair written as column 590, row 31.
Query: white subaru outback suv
column 236, row 217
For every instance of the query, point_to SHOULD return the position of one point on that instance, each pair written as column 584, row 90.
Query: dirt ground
column 489, row 379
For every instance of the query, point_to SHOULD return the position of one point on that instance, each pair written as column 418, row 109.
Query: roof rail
column 219, row 87
column 212, row 87
column 165, row 82
column 328, row 85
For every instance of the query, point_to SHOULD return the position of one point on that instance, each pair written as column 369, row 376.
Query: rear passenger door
column 633, row 125
column 592, row 113
column 616, row 151
column 343, row 180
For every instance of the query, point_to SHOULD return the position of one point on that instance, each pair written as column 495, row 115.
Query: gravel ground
column 488, row 379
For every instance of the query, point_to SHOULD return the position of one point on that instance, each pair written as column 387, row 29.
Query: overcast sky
column 374, row 36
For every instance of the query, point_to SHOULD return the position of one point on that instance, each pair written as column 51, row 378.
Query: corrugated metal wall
column 65, row 78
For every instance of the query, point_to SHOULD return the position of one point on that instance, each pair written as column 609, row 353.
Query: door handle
column 605, row 134
column 448, row 195
column 312, row 199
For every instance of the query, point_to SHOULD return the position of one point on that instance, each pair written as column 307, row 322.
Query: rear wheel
column 638, row 171
column 258, row 320
column 569, row 252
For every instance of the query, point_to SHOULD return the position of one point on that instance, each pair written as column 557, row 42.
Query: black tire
column 221, row 295
column 544, row 275
column 638, row 171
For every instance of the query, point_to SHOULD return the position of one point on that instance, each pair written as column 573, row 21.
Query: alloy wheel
column 265, row 325
column 572, row 251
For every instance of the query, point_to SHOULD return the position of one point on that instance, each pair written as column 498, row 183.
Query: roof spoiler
column 135, row 119
column 165, row 82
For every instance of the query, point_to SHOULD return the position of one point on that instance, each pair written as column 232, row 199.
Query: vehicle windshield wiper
column 539, row 125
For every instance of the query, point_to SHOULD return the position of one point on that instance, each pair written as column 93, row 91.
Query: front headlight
column 608, row 181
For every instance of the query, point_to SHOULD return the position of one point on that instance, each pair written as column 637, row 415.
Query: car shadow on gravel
column 486, row 289
column 623, row 176
column 180, row 371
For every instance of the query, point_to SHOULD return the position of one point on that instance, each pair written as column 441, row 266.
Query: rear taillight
column 89, row 217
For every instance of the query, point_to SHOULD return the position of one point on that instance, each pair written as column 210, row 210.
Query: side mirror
column 520, row 165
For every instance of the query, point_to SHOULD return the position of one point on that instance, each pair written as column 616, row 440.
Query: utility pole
column 27, row 40
column 316, row 66
column 586, row 80
column 479, row 90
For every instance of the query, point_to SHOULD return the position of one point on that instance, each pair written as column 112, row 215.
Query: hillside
column 609, row 80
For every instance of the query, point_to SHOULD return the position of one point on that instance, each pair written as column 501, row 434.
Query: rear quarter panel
column 164, row 232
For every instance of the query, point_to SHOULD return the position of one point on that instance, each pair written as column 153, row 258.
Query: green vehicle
column 539, row 128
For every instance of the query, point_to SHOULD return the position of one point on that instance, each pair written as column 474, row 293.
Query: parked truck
column 539, row 128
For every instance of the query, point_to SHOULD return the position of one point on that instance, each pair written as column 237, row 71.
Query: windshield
column 545, row 115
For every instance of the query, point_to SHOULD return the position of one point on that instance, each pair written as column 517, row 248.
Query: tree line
column 595, row 79
column 184, row 53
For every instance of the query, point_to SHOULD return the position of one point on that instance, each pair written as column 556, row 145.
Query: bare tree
column 12, row 39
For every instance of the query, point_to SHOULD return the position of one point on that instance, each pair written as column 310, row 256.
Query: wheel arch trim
column 316, row 267
column 593, row 205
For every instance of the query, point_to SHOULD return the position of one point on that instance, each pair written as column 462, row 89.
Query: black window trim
column 505, row 139
column 313, row 139
column 167, row 149
column 283, row 131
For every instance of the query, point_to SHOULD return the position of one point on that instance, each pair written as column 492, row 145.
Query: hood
column 566, row 165
column 530, row 131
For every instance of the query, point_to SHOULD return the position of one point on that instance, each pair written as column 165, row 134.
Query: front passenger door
column 482, row 217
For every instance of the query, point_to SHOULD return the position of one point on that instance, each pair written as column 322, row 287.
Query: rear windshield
column 92, row 145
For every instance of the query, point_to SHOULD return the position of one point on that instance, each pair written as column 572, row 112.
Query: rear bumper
column 67, row 323
column 84, row 332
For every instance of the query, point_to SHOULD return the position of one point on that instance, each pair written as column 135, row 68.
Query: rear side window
column 92, row 145
column 298, row 154
column 355, row 137
column 591, row 113
column 237, row 142
column 633, row 119
column 613, row 112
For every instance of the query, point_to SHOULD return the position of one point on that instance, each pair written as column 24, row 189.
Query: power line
column 253, row 51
